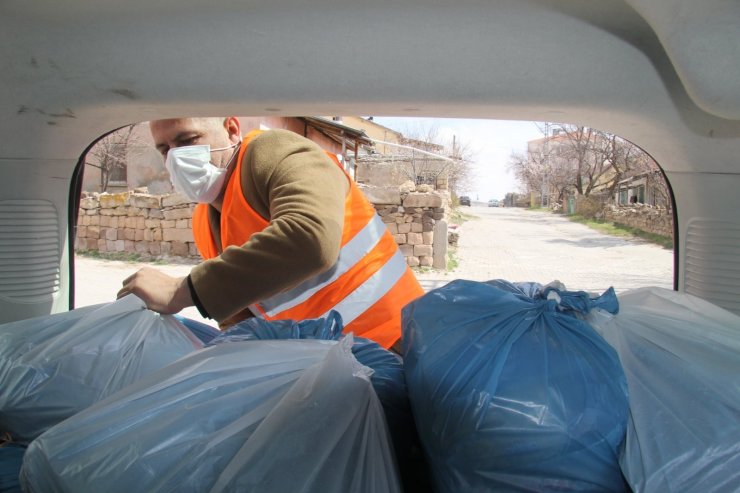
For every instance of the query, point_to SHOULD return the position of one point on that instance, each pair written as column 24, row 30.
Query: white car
column 493, row 203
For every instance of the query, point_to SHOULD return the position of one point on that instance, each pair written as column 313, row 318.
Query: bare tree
column 431, row 159
column 109, row 154
column 583, row 159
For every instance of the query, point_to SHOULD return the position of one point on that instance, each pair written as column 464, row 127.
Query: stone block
column 400, row 220
column 177, row 235
column 423, row 251
column 393, row 228
column 146, row 201
column 102, row 245
column 142, row 246
column 414, row 239
column 427, row 227
column 399, row 239
column 113, row 200
column 425, row 261
column 93, row 232
column 428, row 237
column 417, row 227
column 180, row 248
column 91, row 243
column 104, row 221
column 129, row 222
column 83, row 220
column 438, row 215
column 174, row 214
column 140, row 222
column 406, row 250
column 148, row 235
column 155, row 214
column 174, row 200
column 439, row 245
column 152, row 223
column 81, row 232
column 133, row 211
column 95, row 220
column 382, row 195
column 181, row 224
column 129, row 234
column 388, row 219
column 129, row 246
column 92, row 212
column 157, row 234
column 165, row 247
column 167, row 224
column 404, row 228
column 155, row 248
column 89, row 203
column 139, row 235
column 121, row 234
column 422, row 200
column 193, row 250
column 106, row 212
column 412, row 261
column 115, row 222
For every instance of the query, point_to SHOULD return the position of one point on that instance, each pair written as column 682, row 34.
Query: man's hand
column 161, row 293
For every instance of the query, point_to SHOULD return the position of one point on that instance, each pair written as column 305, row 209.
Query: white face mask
column 192, row 173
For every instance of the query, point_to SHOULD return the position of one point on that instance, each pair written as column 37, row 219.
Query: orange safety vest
column 368, row 285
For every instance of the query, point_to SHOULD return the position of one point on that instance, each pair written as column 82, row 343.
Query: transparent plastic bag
column 512, row 393
column 55, row 366
column 267, row 416
column 681, row 356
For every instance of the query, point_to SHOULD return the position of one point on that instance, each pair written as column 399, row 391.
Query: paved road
column 500, row 243
column 523, row 245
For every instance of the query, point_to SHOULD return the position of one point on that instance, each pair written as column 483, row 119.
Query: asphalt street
column 496, row 243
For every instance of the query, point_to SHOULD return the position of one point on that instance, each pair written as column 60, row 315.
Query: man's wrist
column 195, row 300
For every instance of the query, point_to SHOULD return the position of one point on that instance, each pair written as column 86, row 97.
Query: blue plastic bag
column 387, row 378
column 54, row 366
column 328, row 328
column 11, row 458
column 261, row 416
column 511, row 392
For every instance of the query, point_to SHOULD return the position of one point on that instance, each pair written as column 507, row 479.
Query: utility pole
column 546, row 170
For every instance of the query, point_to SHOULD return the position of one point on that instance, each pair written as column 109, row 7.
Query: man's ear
column 232, row 126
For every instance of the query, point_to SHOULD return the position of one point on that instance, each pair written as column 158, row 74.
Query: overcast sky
column 492, row 142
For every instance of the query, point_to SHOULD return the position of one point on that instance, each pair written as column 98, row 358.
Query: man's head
column 218, row 132
column 197, row 153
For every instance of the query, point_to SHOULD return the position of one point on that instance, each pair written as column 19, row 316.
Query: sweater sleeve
column 291, row 182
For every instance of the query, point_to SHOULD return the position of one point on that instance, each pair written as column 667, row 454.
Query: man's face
column 168, row 134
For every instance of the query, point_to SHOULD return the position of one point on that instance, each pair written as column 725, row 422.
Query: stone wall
column 153, row 226
column 160, row 226
column 648, row 218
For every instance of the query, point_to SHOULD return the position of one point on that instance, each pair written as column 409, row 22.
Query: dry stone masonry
column 156, row 226
column 160, row 226
column 648, row 218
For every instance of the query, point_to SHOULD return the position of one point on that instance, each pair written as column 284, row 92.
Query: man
column 284, row 231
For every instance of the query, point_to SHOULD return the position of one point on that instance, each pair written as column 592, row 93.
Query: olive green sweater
column 292, row 183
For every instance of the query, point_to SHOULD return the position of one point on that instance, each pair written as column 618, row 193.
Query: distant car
column 493, row 203
column 465, row 200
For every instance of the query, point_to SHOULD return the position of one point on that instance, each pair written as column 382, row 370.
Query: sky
column 492, row 142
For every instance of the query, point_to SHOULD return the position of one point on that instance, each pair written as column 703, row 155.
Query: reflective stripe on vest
column 371, row 290
column 351, row 253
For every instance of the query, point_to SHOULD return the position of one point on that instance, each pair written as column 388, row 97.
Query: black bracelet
column 196, row 300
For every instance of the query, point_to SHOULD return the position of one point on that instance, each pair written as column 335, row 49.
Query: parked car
column 465, row 200
column 493, row 203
